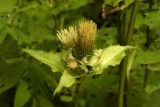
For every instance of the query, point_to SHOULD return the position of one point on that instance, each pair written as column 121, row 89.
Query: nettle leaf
column 110, row 56
column 148, row 57
column 153, row 87
column 53, row 60
column 67, row 80
column 22, row 94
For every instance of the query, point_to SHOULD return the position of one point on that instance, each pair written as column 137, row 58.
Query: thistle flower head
column 68, row 37
column 79, row 38
column 87, row 31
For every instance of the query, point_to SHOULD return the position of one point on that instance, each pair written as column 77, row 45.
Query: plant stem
column 125, row 65
column 77, row 91
column 146, row 74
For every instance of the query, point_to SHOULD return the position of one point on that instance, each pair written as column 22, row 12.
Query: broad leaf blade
column 66, row 80
column 153, row 87
column 22, row 94
column 51, row 59
column 10, row 75
column 110, row 56
column 148, row 57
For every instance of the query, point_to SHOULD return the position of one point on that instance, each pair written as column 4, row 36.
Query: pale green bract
column 101, row 59
column 66, row 80
column 53, row 60
column 110, row 56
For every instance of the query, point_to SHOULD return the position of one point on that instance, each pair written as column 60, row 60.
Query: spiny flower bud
column 68, row 37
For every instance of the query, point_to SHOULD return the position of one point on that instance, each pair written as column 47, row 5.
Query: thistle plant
column 73, row 62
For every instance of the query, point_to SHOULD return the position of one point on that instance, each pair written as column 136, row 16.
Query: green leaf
column 22, row 94
column 3, row 34
column 66, row 80
column 153, row 87
column 154, row 67
column 139, row 20
column 53, row 60
column 74, row 4
column 152, row 19
column 110, row 56
column 112, row 2
column 7, row 5
column 10, row 75
column 42, row 83
column 148, row 57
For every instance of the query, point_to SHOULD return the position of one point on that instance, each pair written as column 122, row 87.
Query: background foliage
column 25, row 82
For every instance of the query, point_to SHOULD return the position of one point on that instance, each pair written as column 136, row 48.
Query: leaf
column 110, row 56
column 139, row 20
column 152, row 19
column 74, row 4
column 66, row 80
column 7, row 5
column 38, row 81
column 53, row 60
column 148, row 57
column 112, row 2
column 3, row 34
column 10, row 75
column 154, row 67
column 22, row 94
column 153, row 87
column 116, row 3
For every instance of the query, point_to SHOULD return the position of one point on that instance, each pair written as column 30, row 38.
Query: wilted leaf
column 66, row 80
column 53, row 60
column 22, row 94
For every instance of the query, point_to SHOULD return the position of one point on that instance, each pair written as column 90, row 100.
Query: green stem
column 125, row 65
column 146, row 74
column 77, row 91
column 132, row 22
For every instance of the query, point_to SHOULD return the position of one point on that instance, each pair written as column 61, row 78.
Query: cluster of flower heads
column 80, row 38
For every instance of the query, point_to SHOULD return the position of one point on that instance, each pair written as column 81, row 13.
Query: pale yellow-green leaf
column 53, row 60
column 66, row 80
column 110, row 56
